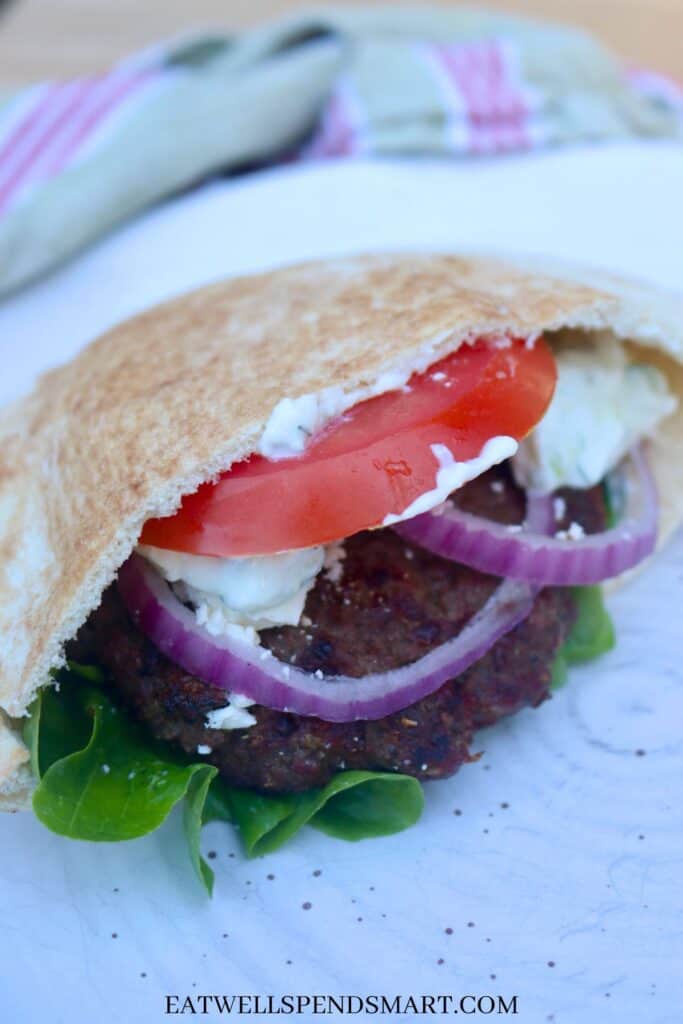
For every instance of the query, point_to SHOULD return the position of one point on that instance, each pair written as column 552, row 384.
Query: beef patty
column 393, row 604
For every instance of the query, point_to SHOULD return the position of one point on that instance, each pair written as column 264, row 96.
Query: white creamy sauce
column 452, row 474
column 294, row 421
column 602, row 406
column 268, row 590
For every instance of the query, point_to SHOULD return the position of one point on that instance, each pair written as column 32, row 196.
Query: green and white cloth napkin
column 79, row 157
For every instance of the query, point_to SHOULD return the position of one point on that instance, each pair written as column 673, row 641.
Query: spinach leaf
column 100, row 777
column 193, row 814
column 591, row 635
column 560, row 672
column 103, row 778
column 354, row 805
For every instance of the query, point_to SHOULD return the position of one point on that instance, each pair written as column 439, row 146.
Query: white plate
column 567, row 849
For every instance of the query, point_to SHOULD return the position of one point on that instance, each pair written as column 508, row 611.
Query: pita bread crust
column 16, row 781
column 174, row 396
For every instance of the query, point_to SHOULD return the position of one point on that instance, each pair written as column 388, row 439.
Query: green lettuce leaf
column 354, row 805
column 559, row 672
column 193, row 819
column 100, row 777
column 103, row 778
column 591, row 635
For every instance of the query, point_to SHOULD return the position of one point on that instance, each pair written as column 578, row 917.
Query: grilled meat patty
column 393, row 603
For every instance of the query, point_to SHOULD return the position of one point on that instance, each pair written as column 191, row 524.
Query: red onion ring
column 253, row 671
column 530, row 553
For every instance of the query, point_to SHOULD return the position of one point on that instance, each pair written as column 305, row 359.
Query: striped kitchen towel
column 79, row 157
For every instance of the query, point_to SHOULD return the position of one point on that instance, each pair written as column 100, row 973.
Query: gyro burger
column 279, row 547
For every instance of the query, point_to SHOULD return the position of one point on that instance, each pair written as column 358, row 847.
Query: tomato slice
column 373, row 460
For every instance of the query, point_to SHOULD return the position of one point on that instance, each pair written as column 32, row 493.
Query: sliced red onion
column 243, row 668
column 529, row 553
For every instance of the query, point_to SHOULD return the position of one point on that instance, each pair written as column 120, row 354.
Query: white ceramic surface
column 567, row 847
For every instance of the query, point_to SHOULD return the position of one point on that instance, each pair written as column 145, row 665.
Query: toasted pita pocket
column 176, row 395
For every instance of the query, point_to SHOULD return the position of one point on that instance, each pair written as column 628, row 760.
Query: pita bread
column 176, row 395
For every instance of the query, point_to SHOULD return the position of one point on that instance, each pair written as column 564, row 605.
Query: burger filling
column 385, row 604
column 387, row 578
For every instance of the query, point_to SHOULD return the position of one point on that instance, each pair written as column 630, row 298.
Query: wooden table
column 45, row 38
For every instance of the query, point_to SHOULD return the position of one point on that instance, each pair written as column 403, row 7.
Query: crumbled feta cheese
column 233, row 716
column 333, row 564
column 203, row 749
column 106, row 769
column 211, row 615
column 559, row 509
column 575, row 532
